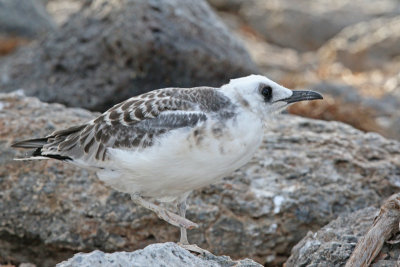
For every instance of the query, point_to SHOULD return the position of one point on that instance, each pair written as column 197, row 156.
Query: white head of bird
column 263, row 96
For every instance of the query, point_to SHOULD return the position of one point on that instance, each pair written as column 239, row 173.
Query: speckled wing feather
column 136, row 123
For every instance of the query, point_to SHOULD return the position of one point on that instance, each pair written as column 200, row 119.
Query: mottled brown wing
column 136, row 123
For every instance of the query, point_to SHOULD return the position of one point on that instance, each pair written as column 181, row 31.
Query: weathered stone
column 333, row 244
column 226, row 5
column 389, row 104
column 22, row 21
column 305, row 174
column 24, row 18
column 62, row 10
column 306, row 25
column 112, row 50
column 366, row 45
column 157, row 255
column 345, row 103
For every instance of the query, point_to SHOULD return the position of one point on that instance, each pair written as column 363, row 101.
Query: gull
column 168, row 142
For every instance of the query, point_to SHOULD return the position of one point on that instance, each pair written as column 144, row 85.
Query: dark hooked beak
column 299, row 95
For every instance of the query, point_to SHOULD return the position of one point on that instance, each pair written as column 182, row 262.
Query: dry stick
column 385, row 225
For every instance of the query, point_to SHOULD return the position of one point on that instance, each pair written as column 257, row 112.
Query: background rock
column 343, row 103
column 304, row 175
column 350, row 60
column 21, row 21
column 366, row 45
column 226, row 5
column 24, row 18
column 307, row 24
column 334, row 243
column 156, row 255
column 112, row 50
column 62, row 10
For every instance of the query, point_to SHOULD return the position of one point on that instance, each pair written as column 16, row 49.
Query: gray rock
column 157, row 255
column 62, row 10
column 226, row 5
column 112, row 50
column 366, row 45
column 24, row 18
column 342, row 91
column 333, row 244
column 305, row 174
column 306, row 25
column 366, row 113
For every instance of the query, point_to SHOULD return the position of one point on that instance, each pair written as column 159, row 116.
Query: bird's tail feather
column 52, row 140
column 31, row 158
column 31, row 143
column 37, row 143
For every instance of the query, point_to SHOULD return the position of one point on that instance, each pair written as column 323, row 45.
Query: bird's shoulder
column 178, row 103
column 151, row 104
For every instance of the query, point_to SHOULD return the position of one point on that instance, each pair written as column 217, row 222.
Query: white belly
column 185, row 159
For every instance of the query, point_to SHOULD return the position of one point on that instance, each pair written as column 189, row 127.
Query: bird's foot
column 163, row 213
column 194, row 248
column 176, row 220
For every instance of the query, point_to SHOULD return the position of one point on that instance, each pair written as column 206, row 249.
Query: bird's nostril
column 308, row 95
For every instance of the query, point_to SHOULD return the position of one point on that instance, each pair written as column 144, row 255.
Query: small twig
column 385, row 225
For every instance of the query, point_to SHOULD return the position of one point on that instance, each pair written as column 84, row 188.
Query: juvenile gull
column 168, row 142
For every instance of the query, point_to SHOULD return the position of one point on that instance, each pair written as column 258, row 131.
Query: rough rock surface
column 333, row 244
column 24, row 18
column 226, row 5
column 378, row 114
column 61, row 10
column 366, row 45
column 112, row 50
column 306, row 25
column 343, row 102
column 305, row 174
column 156, row 255
column 22, row 21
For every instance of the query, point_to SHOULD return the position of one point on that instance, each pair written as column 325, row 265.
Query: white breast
column 186, row 159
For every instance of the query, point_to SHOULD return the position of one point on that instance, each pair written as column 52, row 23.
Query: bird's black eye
column 266, row 91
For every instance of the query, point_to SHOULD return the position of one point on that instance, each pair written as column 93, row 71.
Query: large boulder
column 22, row 21
column 156, row 255
column 332, row 245
column 307, row 24
column 305, row 174
column 61, row 10
column 347, row 104
column 112, row 50
column 367, row 45
column 24, row 18
column 226, row 5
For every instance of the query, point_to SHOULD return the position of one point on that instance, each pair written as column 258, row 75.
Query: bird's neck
column 242, row 102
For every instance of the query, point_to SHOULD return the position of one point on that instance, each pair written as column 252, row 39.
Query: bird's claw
column 177, row 220
column 194, row 248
